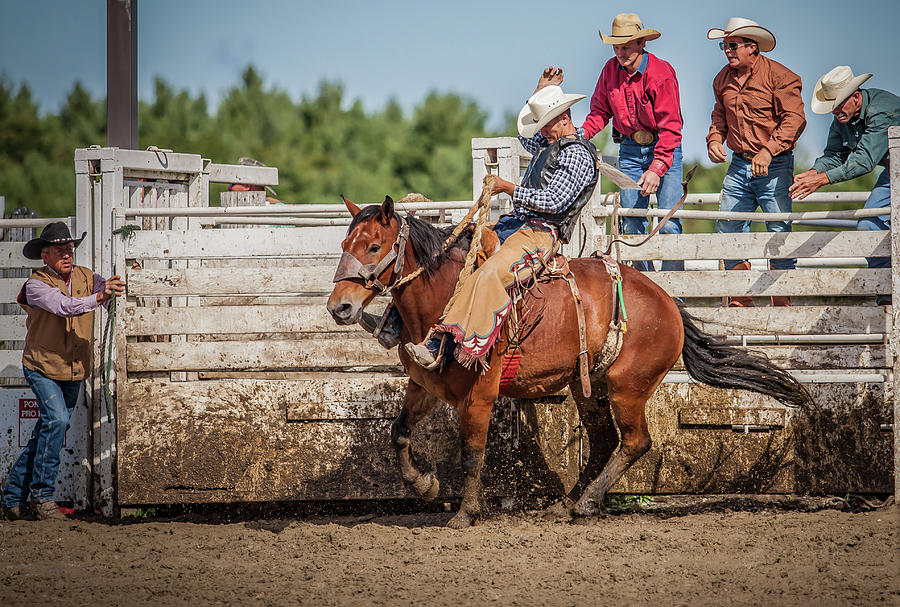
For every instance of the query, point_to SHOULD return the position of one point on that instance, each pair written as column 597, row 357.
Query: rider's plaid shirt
column 576, row 169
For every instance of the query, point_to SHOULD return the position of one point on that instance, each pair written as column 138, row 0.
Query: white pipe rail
column 276, row 221
column 36, row 222
column 832, row 338
column 814, row 198
column 287, row 209
column 605, row 211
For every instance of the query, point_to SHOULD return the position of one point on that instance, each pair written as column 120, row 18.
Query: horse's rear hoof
column 427, row 486
column 461, row 521
column 560, row 511
column 586, row 508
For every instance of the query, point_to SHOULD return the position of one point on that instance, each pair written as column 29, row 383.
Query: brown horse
column 376, row 255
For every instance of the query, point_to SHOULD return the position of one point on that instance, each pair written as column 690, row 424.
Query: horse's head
column 372, row 259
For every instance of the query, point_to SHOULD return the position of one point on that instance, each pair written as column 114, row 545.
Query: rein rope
column 482, row 207
column 661, row 223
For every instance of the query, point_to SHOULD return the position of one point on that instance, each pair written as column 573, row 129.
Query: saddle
column 557, row 268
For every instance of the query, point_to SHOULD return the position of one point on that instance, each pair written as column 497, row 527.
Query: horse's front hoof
column 587, row 507
column 461, row 520
column 427, row 486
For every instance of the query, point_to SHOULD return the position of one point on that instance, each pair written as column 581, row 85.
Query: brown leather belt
column 643, row 137
column 748, row 156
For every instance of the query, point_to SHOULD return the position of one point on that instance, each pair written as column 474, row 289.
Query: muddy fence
column 232, row 384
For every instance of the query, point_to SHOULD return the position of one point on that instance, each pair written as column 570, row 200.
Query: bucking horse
column 381, row 248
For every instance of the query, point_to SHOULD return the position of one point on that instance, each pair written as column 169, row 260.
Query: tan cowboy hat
column 542, row 107
column 834, row 87
column 627, row 26
column 745, row 28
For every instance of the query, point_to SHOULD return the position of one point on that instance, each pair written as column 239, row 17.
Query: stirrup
column 416, row 357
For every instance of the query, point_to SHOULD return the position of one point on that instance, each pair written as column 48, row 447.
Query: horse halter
column 350, row 268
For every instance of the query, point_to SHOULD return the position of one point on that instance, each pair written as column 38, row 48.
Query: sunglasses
column 731, row 46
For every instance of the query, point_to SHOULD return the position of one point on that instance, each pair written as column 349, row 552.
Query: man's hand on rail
column 716, row 151
column 649, row 183
column 807, row 183
column 502, row 186
column 551, row 76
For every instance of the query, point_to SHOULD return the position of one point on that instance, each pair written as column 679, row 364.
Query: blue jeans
column 634, row 160
column 35, row 471
column 879, row 198
column 742, row 193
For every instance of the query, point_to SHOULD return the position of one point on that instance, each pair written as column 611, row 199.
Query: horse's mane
column 426, row 240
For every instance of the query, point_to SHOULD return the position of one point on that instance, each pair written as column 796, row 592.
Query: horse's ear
column 354, row 209
column 386, row 213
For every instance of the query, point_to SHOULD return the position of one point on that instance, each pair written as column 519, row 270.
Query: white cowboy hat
column 626, row 27
column 542, row 107
column 834, row 87
column 745, row 28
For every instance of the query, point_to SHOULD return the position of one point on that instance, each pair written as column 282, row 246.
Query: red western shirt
column 644, row 101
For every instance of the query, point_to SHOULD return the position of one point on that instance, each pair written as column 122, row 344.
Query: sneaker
column 421, row 355
column 49, row 511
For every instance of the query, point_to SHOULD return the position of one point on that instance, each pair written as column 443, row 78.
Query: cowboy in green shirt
column 857, row 142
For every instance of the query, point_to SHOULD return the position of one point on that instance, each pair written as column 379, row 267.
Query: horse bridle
column 350, row 268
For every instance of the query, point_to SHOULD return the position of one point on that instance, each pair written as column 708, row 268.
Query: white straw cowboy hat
column 627, row 26
column 745, row 28
column 542, row 107
column 834, row 87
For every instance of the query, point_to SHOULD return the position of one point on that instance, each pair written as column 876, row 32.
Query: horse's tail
column 709, row 360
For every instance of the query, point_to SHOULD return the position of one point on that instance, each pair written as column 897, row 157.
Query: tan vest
column 59, row 347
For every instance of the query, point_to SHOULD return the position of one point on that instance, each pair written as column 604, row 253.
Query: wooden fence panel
column 238, row 242
column 758, row 245
column 263, row 355
column 801, row 282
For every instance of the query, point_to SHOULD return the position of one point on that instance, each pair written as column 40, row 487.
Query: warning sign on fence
column 29, row 414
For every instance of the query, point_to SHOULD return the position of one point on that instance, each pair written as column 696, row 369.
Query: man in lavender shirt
column 60, row 299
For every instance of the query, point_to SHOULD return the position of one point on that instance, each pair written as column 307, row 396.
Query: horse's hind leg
column 417, row 403
column 627, row 397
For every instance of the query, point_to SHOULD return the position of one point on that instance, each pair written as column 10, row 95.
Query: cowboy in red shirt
column 639, row 92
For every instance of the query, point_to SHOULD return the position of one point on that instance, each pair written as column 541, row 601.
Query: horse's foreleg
column 597, row 423
column 474, row 418
column 417, row 403
column 627, row 404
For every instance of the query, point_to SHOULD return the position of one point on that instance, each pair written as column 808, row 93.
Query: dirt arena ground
column 718, row 553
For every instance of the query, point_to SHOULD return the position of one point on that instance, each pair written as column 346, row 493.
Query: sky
column 491, row 52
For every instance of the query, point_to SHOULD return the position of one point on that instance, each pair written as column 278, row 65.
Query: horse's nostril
column 343, row 310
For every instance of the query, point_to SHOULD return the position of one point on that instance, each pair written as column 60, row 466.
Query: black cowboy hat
column 53, row 233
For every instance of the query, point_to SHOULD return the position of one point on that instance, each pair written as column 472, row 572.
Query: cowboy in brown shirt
column 759, row 114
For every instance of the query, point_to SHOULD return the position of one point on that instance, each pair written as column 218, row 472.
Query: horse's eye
column 374, row 248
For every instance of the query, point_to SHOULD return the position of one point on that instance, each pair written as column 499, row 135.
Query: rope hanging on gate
column 106, row 336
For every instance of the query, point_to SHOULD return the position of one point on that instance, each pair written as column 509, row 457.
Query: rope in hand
column 482, row 206
column 106, row 336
